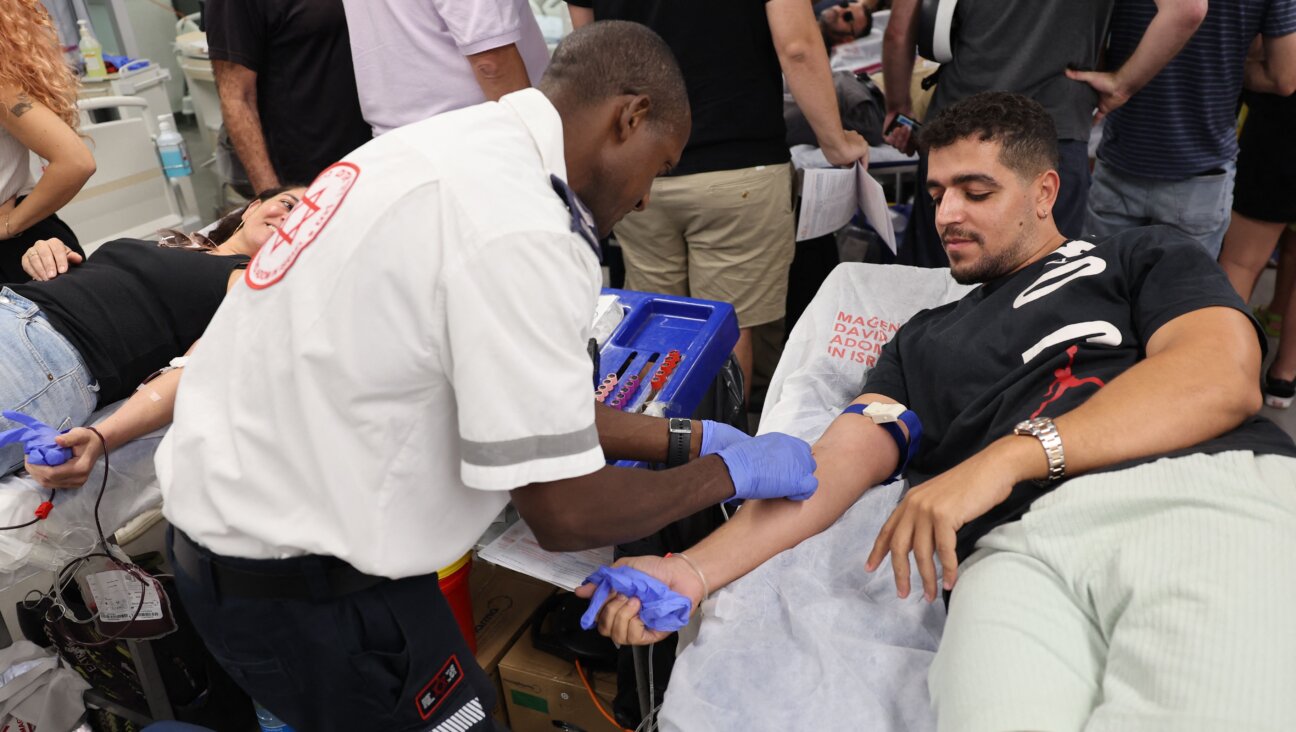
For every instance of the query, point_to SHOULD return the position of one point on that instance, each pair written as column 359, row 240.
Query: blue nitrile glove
column 660, row 608
column 37, row 438
column 773, row 465
column 716, row 436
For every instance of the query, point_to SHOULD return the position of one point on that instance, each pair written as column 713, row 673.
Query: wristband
column 681, row 437
column 886, row 416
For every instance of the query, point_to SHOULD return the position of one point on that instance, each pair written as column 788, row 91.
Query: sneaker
column 1269, row 320
column 1278, row 393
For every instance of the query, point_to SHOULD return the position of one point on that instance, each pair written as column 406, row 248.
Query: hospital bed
column 809, row 640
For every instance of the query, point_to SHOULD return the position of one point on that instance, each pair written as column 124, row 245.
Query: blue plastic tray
column 703, row 331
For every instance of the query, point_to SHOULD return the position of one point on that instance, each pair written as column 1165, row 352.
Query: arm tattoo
column 23, row 106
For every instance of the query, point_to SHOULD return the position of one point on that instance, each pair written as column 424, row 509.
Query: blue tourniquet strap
column 908, row 447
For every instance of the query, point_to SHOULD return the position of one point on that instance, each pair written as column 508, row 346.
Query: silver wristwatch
column 1043, row 429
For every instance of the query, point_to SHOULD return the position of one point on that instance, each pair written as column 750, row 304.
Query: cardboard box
column 503, row 602
column 544, row 693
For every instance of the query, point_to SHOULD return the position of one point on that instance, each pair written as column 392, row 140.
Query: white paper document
column 872, row 201
column 828, row 201
column 518, row 550
column 830, row 197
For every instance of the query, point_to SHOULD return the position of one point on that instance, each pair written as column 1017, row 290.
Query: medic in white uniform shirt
column 404, row 357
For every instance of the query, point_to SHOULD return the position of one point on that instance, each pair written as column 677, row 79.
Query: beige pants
column 1162, row 597
column 726, row 235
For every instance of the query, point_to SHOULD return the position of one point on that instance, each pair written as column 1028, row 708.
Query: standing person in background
column 721, row 225
column 38, row 115
column 287, row 90
column 1167, row 155
column 415, row 60
column 1055, row 46
column 1264, row 204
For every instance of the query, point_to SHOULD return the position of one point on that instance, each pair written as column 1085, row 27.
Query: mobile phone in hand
column 901, row 119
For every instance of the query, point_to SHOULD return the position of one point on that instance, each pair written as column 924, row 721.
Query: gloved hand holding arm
column 716, row 436
column 774, row 465
column 614, row 505
column 852, row 456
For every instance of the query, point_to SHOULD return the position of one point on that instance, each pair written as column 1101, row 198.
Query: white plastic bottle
column 268, row 721
column 91, row 53
column 171, row 146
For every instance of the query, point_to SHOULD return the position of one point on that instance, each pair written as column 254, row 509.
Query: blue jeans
column 1197, row 206
column 41, row 374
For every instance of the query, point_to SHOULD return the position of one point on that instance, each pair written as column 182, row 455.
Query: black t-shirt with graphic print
column 1039, row 342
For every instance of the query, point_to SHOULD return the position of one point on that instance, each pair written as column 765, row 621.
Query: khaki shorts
column 726, row 235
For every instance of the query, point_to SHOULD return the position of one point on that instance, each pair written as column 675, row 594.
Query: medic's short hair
column 613, row 57
column 1022, row 127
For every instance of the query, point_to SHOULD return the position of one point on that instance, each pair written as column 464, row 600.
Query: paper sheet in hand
column 872, row 201
column 828, row 201
column 830, row 197
column 518, row 550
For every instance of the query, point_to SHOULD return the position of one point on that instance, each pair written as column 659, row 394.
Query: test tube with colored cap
column 609, row 383
column 627, row 390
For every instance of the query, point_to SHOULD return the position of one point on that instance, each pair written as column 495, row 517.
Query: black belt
column 310, row 577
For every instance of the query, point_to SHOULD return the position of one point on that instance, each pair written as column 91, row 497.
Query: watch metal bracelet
column 1043, row 429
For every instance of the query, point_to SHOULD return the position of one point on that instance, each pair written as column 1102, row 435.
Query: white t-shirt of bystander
column 411, row 61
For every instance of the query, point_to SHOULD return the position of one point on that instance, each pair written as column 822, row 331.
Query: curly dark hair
column 1022, row 127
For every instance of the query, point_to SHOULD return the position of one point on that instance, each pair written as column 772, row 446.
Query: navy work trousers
column 389, row 657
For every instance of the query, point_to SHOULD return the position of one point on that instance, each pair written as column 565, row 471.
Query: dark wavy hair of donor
column 1023, row 129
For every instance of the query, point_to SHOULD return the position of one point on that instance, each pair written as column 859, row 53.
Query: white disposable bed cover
column 809, row 640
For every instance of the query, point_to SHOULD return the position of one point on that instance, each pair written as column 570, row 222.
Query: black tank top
column 132, row 307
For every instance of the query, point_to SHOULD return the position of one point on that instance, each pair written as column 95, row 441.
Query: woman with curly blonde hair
column 38, row 114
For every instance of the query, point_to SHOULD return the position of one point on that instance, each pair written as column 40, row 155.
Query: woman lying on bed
column 84, row 335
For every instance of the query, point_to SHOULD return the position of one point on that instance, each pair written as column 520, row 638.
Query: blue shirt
column 1183, row 123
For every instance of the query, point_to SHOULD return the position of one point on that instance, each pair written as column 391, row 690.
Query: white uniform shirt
column 409, row 347
column 410, row 57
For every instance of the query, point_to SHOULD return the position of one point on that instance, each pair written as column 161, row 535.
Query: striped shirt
column 1183, row 122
